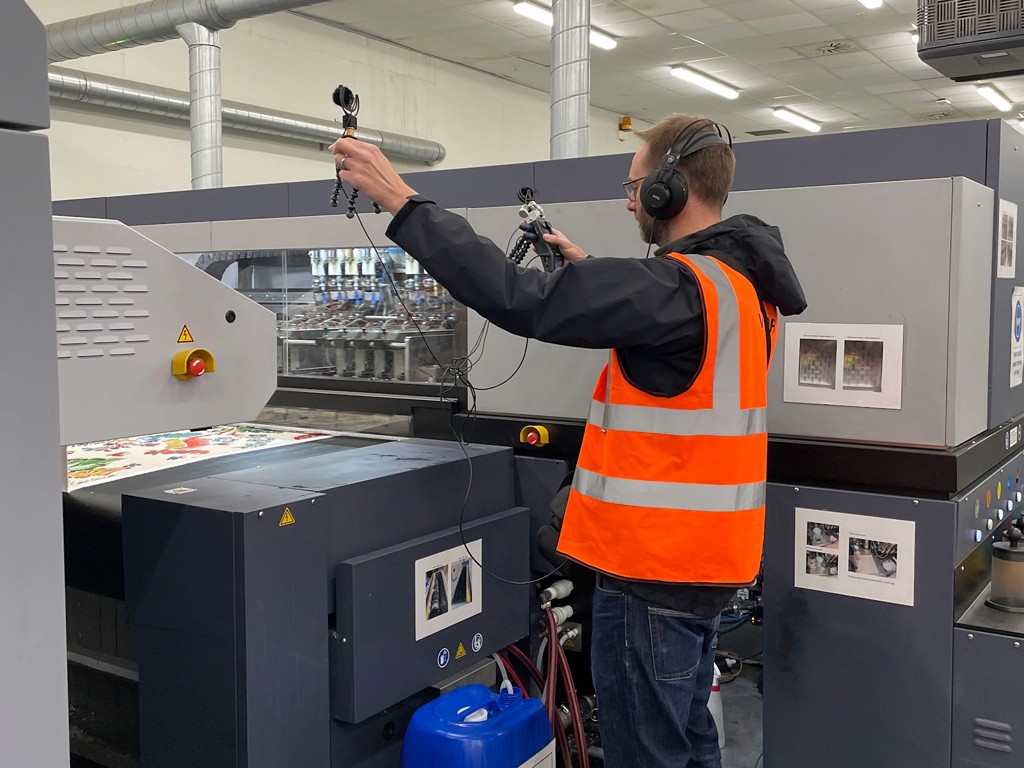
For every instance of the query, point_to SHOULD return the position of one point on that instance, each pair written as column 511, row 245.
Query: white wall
column 288, row 63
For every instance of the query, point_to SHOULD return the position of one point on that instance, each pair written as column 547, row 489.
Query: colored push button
column 192, row 363
column 534, row 435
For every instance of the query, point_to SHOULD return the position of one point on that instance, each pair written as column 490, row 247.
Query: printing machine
column 270, row 605
column 895, row 452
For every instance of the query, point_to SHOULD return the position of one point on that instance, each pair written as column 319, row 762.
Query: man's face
column 651, row 230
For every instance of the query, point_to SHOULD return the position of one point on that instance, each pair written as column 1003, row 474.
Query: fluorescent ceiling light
column 871, row 3
column 998, row 100
column 705, row 82
column 545, row 17
column 798, row 120
column 601, row 40
column 535, row 12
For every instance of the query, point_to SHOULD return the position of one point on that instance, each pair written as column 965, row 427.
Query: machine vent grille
column 993, row 735
column 953, row 19
column 99, row 285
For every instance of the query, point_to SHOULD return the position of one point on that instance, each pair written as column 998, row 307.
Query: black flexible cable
column 459, row 376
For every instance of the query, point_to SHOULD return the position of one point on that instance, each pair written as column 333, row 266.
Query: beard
column 651, row 230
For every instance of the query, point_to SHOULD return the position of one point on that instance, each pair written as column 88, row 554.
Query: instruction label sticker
column 448, row 589
column 442, row 658
column 460, row 651
column 478, row 642
column 856, row 555
column 185, row 337
column 287, row 518
column 1017, row 338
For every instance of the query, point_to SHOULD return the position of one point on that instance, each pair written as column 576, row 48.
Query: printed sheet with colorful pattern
column 95, row 463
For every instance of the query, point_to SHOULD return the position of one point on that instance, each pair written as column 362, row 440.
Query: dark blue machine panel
column 850, row 681
column 230, row 588
column 988, row 722
column 382, row 600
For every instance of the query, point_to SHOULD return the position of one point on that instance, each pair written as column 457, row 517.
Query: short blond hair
column 709, row 173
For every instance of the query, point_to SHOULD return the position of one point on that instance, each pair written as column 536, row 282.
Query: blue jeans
column 653, row 670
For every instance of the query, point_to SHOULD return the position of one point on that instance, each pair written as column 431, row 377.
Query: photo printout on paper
column 844, row 364
column 1006, row 242
column 1017, row 338
column 856, row 555
column 448, row 588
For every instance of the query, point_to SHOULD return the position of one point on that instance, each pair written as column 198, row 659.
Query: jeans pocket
column 677, row 644
column 609, row 587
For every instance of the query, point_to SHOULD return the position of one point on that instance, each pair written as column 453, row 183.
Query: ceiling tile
column 726, row 33
column 894, row 87
column 694, row 21
column 837, row 60
column 808, row 36
column 790, row 22
column 752, row 10
column 888, row 40
column 868, row 73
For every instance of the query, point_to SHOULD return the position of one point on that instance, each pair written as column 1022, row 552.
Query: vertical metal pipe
column 570, row 79
column 205, row 105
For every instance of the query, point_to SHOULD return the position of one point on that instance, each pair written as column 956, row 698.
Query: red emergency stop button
column 534, row 435
column 192, row 363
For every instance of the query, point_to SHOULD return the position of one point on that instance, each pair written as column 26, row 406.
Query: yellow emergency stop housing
column 179, row 363
column 542, row 433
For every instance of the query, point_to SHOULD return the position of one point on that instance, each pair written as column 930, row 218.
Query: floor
column 741, row 701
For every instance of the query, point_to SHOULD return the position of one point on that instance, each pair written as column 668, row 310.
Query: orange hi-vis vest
column 672, row 489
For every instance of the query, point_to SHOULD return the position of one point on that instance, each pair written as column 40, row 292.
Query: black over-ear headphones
column 664, row 192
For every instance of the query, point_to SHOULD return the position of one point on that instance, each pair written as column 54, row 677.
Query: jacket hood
column 759, row 250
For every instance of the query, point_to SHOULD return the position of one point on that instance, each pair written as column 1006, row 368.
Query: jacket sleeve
column 595, row 303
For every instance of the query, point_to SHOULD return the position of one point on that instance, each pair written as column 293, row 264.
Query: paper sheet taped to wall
column 842, row 364
column 855, row 555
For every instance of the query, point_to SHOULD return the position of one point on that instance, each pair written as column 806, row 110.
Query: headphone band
column 698, row 139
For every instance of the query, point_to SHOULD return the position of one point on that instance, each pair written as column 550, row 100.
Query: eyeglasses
column 631, row 188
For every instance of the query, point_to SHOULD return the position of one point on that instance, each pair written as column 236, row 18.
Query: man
column 667, row 503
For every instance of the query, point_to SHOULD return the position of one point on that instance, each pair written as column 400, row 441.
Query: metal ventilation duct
column 70, row 85
column 205, row 111
column 152, row 22
column 570, row 79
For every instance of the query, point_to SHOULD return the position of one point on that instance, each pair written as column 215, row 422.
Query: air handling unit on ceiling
column 969, row 40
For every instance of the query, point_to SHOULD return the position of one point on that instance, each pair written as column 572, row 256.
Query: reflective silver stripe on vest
column 681, row 496
column 727, row 352
column 720, row 422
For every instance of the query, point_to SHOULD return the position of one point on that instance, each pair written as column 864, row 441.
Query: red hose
column 531, row 668
column 574, row 708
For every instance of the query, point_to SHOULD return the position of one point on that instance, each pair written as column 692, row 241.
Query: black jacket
column 648, row 309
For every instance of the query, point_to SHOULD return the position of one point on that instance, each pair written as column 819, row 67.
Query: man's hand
column 364, row 167
column 570, row 251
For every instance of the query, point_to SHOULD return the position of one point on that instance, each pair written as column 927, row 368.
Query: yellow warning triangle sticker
column 461, row 652
column 185, row 337
column 287, row 518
